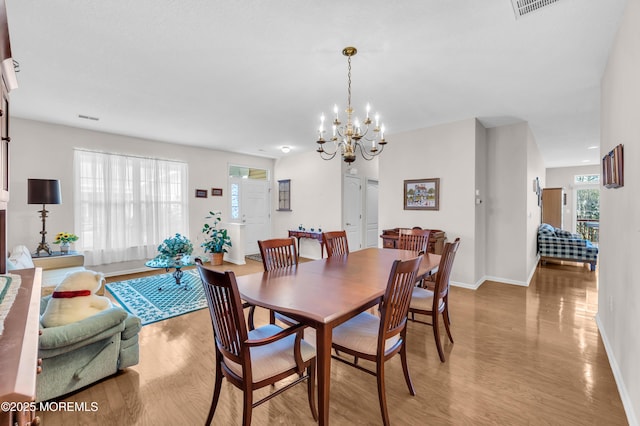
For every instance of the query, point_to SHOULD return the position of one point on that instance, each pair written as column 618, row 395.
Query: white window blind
column 126, row 206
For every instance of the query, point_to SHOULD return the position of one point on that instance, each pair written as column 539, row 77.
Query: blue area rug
column 141, row 296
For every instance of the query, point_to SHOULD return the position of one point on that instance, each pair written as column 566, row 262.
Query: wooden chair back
column 278, row 253
column 395, row 305
column 441, row 289
column 227, row 318
column 335, row 242
column 414, row 239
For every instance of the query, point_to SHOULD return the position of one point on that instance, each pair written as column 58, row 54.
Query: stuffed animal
column 74, row 299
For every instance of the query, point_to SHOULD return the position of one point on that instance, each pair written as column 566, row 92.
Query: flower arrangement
column 216, row 240
column 65, row 238
column 173, row 246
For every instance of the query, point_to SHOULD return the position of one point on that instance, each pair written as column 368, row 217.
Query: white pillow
column 11, row 266
column 21, row 257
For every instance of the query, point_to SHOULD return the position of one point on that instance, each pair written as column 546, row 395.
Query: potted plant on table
column 216, row 240
column 175, row 247
column 65, row 239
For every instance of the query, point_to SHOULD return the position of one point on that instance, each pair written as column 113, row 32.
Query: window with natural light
column 587, row 179
column 125, row 205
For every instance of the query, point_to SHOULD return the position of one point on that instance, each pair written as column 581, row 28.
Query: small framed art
column 201, row 193
column 422, row 194
column 216, row 192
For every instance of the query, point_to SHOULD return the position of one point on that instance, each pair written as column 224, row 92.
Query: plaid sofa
column 555, row 243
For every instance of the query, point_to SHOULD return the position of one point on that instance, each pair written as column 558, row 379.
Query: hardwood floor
column 521, row 356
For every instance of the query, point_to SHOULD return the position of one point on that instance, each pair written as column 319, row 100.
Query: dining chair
column 436, row 302
column 253, row 359
column 278, row 253
column 414, row 239
column 335, row 242
column 379, row 338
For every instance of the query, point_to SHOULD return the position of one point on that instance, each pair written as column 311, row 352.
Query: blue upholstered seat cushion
column 546, row 229
column 562, row 233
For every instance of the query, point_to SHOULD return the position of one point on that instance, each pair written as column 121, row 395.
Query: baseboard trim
column 506, row 281
column 466, row 285
column 617, row 375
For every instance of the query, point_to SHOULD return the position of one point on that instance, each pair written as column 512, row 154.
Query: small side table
column 310, row 235
column 167, row 263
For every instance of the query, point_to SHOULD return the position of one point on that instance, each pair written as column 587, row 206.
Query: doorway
column 371, row 213
column 250, row 204
column 352, row 211
column 588, row 213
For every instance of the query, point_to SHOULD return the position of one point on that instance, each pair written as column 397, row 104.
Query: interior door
column 371, row 213
column 352, row 211
column 254, row 211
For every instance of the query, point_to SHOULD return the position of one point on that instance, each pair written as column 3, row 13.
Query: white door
column 352, row 211
column 250, row 206
column 371, row 213
column 255, row 212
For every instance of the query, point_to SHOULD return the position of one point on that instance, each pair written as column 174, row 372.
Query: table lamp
column 43, row 191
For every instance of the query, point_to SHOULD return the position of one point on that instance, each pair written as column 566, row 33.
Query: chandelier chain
column 349, row 90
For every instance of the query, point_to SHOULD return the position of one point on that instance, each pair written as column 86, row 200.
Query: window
column 284, row 195
column 235, row 201
column 125, row 206
column 587, row 179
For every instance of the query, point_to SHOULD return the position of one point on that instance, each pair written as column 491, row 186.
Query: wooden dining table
column 325, row 293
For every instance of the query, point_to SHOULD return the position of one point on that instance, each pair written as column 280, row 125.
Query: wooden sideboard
column 19, row 361
column 437, row 239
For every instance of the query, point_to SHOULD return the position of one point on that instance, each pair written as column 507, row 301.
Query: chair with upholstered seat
column 436, row 302
column 376, row 338
column 279, row 253
column 414, row 239
column 335, row 243
column 253, row 359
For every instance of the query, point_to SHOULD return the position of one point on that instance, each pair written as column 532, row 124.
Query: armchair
column 555, row 243
column 78, row 354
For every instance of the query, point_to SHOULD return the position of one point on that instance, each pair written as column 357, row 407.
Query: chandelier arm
column 328, row 156
column 367, row 156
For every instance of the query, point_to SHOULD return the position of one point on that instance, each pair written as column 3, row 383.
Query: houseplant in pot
column 216, row 240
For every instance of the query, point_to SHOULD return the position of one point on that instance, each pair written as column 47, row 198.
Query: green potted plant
column 175, row 247
column 216, row 240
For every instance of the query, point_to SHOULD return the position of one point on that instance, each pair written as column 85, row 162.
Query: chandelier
column 353, row 135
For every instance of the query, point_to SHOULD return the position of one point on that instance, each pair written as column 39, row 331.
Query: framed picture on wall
column 201, row 193
column 422, row 194
column 613, row 168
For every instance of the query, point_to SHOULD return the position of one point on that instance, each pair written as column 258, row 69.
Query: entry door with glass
column 249, row 189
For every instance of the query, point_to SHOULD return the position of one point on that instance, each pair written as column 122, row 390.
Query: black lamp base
column 44, row 246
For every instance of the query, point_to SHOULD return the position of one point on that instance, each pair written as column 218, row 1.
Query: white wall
column 535, row 168
column 563, row 177
column 41, row 150
column 513, row 161
column 480, row 200
column 316, row 197
column 619, row 290
column 447, row 152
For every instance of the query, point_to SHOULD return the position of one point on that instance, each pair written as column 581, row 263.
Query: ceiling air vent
column 525, row 7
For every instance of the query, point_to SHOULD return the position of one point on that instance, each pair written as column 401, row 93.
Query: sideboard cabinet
column 437, row 239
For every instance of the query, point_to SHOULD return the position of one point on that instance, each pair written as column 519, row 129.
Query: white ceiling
column 251, row 76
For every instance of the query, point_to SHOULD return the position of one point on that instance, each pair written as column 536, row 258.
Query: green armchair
column 79, row 354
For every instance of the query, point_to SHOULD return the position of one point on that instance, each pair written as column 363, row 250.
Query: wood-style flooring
column 522, row 356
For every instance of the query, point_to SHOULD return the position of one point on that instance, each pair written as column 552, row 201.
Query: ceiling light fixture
column 285, row 149
column 352, row 135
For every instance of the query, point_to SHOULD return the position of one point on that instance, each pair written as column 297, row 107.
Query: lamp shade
column 43, row 191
